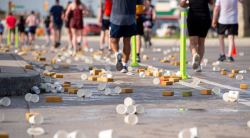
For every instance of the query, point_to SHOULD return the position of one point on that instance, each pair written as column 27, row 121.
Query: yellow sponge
column 53, row 99
column 167, row 93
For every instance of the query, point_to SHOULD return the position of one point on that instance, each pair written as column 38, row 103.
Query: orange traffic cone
column 234, row 51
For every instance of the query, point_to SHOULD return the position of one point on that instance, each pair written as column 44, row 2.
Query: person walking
column 123, row 25
column 198, row 22
column 11, row 24
column 226, row 19
column 78, row 10
column 67, row 24
column 47, row 25
column 104, row 21
column 56, row 13
column 150, row 17
column 21, row 29
column 32, row 23
column 1, row 32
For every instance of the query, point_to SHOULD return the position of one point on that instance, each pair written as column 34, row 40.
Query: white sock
column 125, row 64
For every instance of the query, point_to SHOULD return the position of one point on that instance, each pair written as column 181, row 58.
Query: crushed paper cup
column 217, row 91
column 102, row 86
column 35, row 131
column 107, row 91
column 129, row 101
column 131, row 119
column 121, row 109
column 233, row 95
column 239, row 77
column 61, row 134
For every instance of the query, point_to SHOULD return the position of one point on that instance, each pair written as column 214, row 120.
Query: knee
column 113, row 40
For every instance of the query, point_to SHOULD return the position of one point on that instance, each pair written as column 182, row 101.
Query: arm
column 67, row 12
column 215, row 16
column 100, row 12
column 183, row 3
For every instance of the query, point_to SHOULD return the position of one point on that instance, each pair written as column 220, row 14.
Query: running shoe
column 119, row 65
column 222, row 58
column 230, row 59
column 124, row 69
column 198, row 69
column 195, row 62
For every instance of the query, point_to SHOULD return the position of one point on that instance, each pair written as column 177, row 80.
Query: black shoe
column 57, row 44
column 222, row 58
column 230, row 59
column 138, row 58
column 119, row 65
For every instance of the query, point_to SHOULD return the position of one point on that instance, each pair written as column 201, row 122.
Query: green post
column 134, row 56
column 183, row 37
column 16, row 37
column 8, row 38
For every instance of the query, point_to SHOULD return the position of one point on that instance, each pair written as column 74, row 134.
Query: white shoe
column 199, row 69
column 195, row 62
column 124, row 69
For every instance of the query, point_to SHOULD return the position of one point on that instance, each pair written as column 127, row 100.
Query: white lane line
column 241, row 101
column 221, row 85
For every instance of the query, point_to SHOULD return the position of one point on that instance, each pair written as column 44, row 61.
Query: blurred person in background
column 56, row 14
column 11, row 24
column 1, row 32
column 139, row 32
column 150, row 17
column 21, row 29
column 32, row 23
column 226, row 19
column 198, row 22
column 104, row 21
column 47, row 24
column 78, row 10
column 67, row 20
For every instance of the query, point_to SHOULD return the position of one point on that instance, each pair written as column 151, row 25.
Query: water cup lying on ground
column 131, row 109
column 35, row 89
column 34, row 98
column 36, row 119
column 27, row 97
column 5, row 101
column 121, row 109
column 61, row 134
column 76, row 134
column 129, row 101
column 35, row 131
column 106, row 134
column 131, row 119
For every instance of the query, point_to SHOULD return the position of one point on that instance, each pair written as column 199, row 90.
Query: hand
column 214, row 24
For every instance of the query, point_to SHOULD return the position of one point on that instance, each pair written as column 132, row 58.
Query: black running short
column 198, row 26
column 231, row 28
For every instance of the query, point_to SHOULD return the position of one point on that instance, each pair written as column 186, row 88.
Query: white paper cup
column 61, row 134
column 131, row 119
column 233, row 95
column 239, row 77
column 5, row 101
column 27, row 97
column 106, row 134
column 81, row 93
column 139, row 109
column 36, row 119
column 121, row 109
column 76, row 134
column 117, row 90
column 129, row 101
column 35, row 131
column 102, row 87
column 131, row 109
column 34, row 98
column 225, row 97
column 156, row 81
column 84, row 76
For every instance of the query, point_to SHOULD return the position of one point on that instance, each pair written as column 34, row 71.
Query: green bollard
column 183, row 37
column 8, row 38
column 134, row 56
column 16, row 37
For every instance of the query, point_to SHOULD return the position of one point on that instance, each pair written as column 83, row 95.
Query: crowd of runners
column 126, row 18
